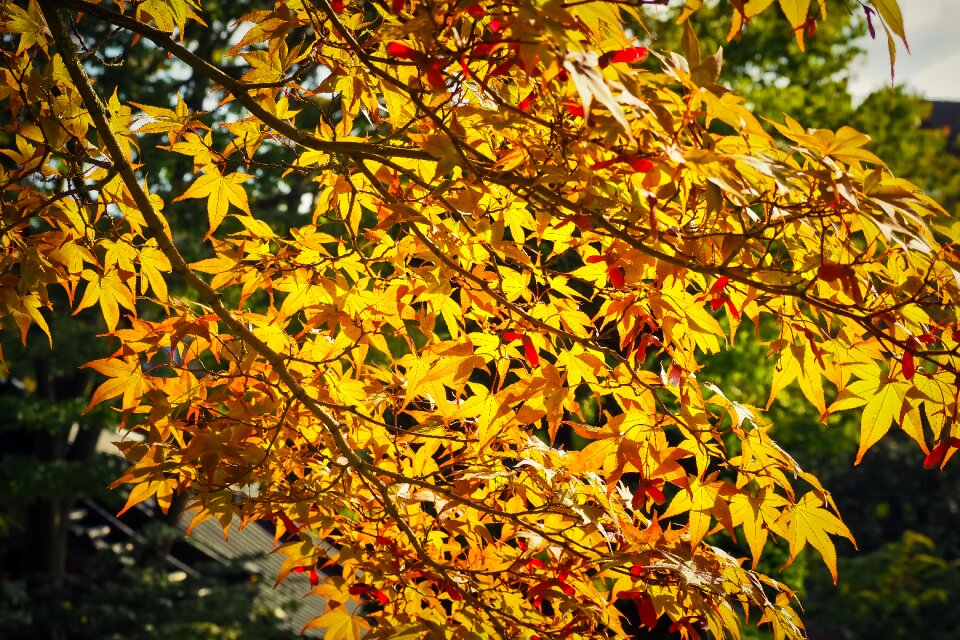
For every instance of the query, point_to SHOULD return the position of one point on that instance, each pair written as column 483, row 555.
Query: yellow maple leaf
column 153, row 263
column 166, row 13
column 881, row 411
column 163, row 120
column 25, row 311
column 29, row 24
column 811, row 523
column 704, row 500
column 126, row 379
column 796, row 13
column 220, row 191
column 193, row 145
column 110, row 291
column 757, row 515
column 339, row 624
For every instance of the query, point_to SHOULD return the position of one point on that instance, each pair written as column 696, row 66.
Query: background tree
column 764, row 64
column 526, row 218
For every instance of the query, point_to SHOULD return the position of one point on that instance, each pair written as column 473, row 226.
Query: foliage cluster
column 515, row 233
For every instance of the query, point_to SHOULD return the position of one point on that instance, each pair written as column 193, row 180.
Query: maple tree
column 525, row 224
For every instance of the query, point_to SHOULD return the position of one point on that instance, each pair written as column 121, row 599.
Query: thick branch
column 239, row 90
column 209, row 296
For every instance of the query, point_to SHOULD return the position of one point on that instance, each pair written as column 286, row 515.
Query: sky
column 932, row 67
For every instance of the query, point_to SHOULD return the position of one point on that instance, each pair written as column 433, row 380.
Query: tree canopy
column 516, row 223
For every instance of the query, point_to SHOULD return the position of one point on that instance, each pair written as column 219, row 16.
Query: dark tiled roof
column 254, row 545
column 946, row 115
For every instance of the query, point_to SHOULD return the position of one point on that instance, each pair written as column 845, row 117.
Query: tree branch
column 239, row 90
column 209, row 296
